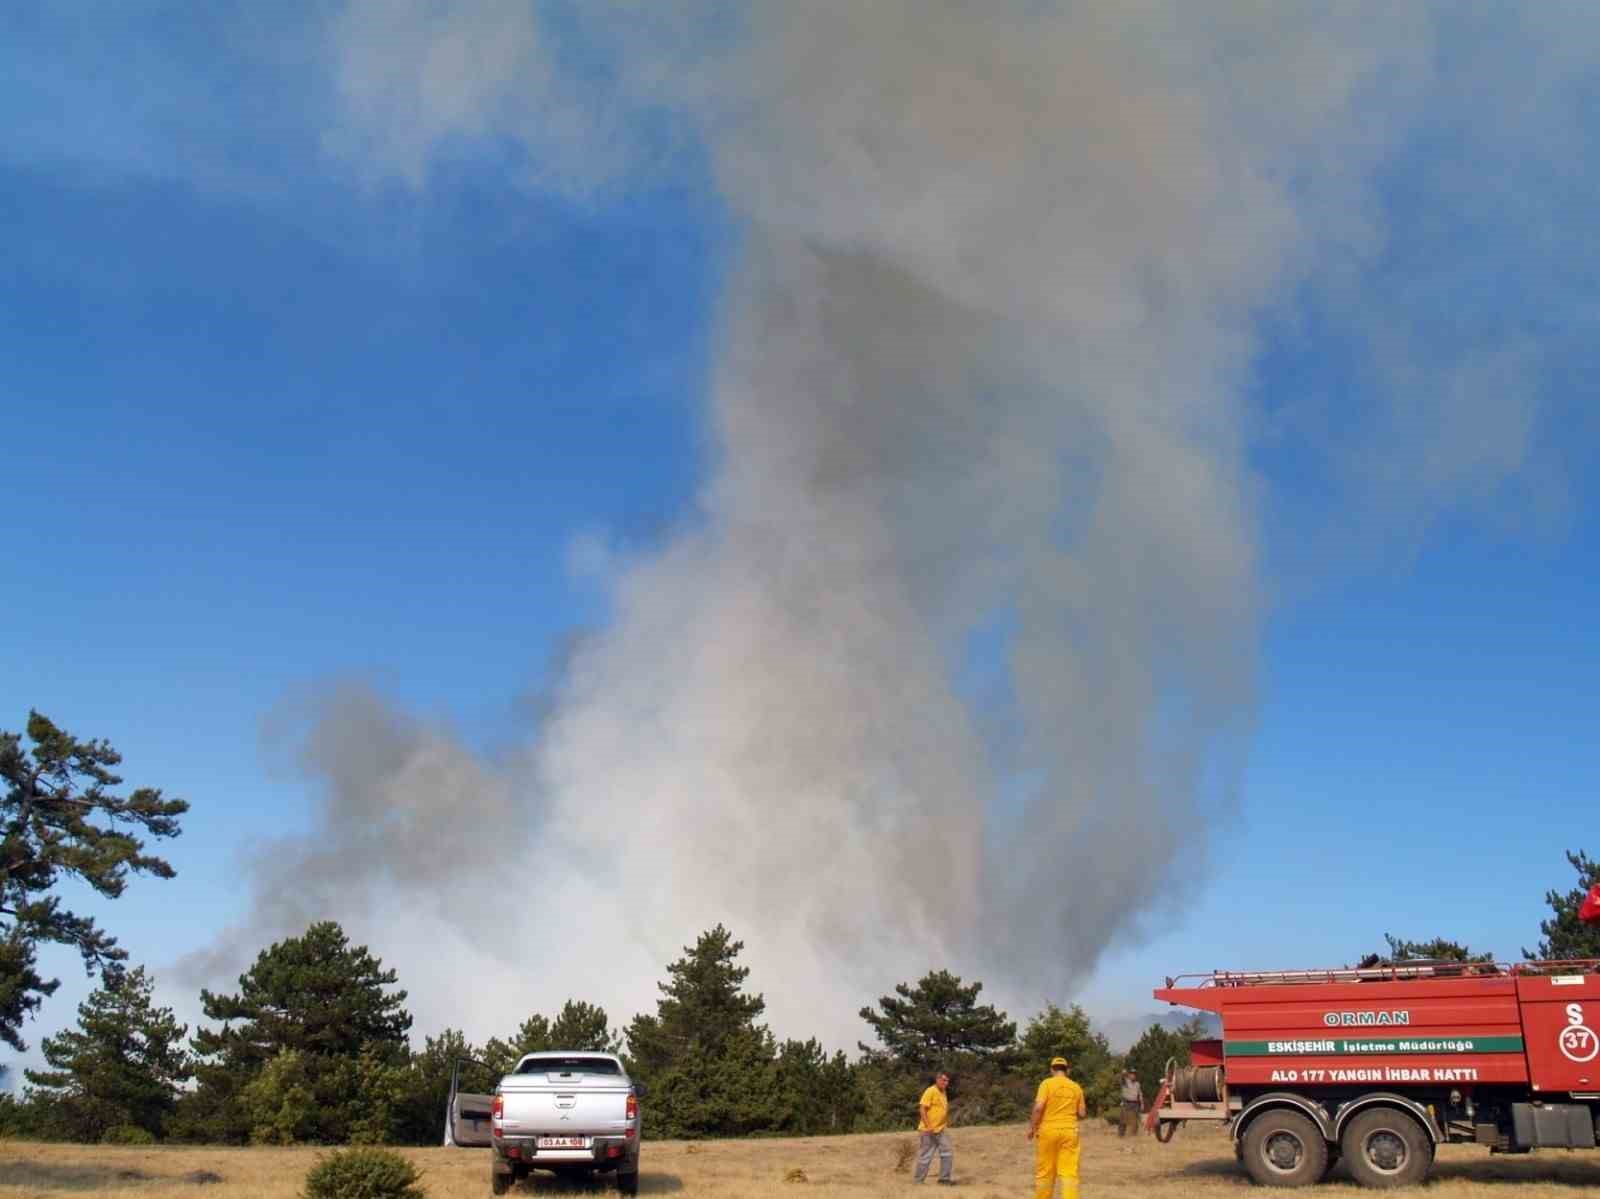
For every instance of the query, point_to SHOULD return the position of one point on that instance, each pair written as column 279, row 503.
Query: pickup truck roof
column 570, row 1063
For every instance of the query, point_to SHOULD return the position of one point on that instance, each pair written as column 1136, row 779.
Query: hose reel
column 1197, row 1084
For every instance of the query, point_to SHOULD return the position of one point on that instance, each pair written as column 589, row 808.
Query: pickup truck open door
column 467, row 1113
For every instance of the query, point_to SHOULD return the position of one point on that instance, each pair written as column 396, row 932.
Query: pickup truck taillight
column 633, row 1106
column 497, row 1116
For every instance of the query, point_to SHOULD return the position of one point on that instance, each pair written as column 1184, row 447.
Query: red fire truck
column 1380, row 1066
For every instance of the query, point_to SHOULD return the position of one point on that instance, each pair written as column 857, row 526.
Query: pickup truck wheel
column 1385, row 1147
column 1284, row 1149
column 500, row 1181
column 628, row 1183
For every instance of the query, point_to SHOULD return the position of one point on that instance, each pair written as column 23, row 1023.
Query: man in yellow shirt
column 1057, row 1107
column 934, row 1124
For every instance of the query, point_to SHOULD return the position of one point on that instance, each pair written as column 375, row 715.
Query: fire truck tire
column 1385, row 1147
column 1333, row 1163
column 1282, row 1148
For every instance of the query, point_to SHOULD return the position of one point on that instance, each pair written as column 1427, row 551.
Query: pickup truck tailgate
column 552, row 1103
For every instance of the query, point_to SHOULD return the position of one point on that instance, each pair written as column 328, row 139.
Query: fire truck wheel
column 1284, row 1149
column 1333, row 1163
column 1384, row 1147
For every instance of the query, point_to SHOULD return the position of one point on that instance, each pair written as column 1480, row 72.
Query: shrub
column 127, row 1134
column 364, row 1173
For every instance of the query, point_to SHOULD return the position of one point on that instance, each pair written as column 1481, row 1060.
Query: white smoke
column 983, row 411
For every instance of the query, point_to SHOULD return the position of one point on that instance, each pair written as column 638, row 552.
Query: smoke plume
column 955, row 655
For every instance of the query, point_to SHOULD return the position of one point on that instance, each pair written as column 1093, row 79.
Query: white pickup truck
column 573, row 1113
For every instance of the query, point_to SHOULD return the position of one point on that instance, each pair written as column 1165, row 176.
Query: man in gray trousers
column 933, row 1127
column 1132, row 1104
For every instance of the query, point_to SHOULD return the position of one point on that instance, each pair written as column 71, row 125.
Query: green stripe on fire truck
column 1386, row 1046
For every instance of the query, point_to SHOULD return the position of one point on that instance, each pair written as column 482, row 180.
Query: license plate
column 563, row 1142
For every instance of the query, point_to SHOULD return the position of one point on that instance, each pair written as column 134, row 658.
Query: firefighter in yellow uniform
column 1057, row 1108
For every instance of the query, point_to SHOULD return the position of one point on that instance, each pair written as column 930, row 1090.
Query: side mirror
column 639, row 1089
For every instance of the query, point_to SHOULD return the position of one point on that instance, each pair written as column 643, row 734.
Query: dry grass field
column 991, row 1163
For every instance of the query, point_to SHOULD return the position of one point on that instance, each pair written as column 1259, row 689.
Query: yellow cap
column 1058, row 1061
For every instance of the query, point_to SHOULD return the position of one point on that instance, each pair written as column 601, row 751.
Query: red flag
column 1589, row 913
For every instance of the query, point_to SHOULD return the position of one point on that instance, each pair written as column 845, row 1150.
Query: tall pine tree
column 702, row 1006
column 708, row 1064
column 123, row 1065
column 60, row 820
column 314, row 996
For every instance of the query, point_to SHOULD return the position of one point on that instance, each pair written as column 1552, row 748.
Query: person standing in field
column 1132, row 1104
column 1057, row 1107
column 933, row 1127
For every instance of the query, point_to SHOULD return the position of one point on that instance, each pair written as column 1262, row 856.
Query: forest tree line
column 316, row 1044
column 315, row 1047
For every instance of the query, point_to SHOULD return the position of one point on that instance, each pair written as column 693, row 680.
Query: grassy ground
column 991, row 1163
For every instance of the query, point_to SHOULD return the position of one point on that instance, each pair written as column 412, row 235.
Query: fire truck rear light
column 614, row 1151
column 514, row 1152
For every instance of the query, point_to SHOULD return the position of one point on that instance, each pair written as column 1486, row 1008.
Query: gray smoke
column 400, row 814
column 955, row 657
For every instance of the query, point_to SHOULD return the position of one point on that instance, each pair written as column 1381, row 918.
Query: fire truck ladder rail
column 1385, row 972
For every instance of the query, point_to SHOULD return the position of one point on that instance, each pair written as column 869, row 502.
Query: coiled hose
column 1197, row 1084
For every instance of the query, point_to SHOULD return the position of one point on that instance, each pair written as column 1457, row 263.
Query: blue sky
column 277, row 415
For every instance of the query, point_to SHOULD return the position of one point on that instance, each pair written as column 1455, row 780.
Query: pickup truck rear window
column 569, row 1065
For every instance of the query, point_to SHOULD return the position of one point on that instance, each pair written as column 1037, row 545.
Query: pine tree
column 937, row 1020
column 707, row 1062
column 1566, row 938
column 701, row 1008
column 1068, row 1033
column 1440, row 949
column 315, row 992
column 580, row 1025
column 420, row 1120
column 532, row 1036
column 124, row 1063
column 60, row 821
column 316, row 997
column 815, row 1094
